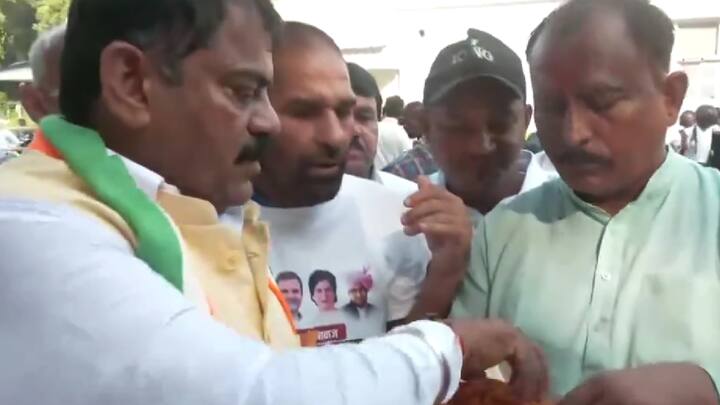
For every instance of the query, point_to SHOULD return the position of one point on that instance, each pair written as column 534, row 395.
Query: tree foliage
column 16, row 32
column 22, row 20
column 49, row 13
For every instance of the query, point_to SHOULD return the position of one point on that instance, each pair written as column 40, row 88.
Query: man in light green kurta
column 601, row 292
column 615, row 268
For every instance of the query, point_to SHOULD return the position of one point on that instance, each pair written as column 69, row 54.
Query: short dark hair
column 173, row 29
column 706, row 116
column 394, row 107
column 322, row 275
column 289, row 275
column 413, row 104
column 651, row 29
column 364, row 84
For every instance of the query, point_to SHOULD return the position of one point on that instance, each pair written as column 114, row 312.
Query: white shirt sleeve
column 83, row 322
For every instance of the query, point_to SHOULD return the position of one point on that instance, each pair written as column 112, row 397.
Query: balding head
column 298, row 41
column 296, row 35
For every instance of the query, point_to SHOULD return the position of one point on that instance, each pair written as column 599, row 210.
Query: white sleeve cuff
column 446, row 347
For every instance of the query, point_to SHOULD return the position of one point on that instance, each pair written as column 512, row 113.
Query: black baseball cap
column 480, row 55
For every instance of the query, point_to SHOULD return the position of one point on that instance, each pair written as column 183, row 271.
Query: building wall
column 398, row 39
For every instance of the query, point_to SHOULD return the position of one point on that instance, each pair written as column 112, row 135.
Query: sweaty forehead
column 602, row 49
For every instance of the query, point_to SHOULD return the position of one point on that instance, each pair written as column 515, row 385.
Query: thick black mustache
column 579, row 156
column 253, row 151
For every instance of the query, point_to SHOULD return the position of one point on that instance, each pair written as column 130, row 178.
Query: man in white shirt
column 85, row 320
column 699, row 137
column 363, row 149
column 393, row 140
column 676, row 135
column 476, row 117
column 321, row 219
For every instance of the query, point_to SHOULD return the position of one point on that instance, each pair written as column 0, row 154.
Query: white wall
column 394, row 26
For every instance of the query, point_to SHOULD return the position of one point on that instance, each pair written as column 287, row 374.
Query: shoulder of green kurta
column 704, row 175
column 539, row 202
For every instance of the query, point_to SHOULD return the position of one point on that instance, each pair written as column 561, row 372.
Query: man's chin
column 592, row 189
column 324, row 192
column 321, row 189
column 359, row 169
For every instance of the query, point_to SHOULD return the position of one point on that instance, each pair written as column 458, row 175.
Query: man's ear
column 528, row 116
column 674, row 88
column 124, row 74
column 33, row 102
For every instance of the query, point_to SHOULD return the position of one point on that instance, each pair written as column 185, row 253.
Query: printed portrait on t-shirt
column 291, row 287
column 359, row 270
column 359, row 285
column 328, row 321
column 323, row 287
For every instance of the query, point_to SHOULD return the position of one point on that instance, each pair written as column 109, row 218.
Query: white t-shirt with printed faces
column 355, row 236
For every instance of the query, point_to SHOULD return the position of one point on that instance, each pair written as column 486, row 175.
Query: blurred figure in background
column 411, row 121
column 363, row 149
column 696, row 140
column 40, row 98
column 417, row 161
column 414, row 163
column 687, row 119
column 393, row 140
column 677, row 136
